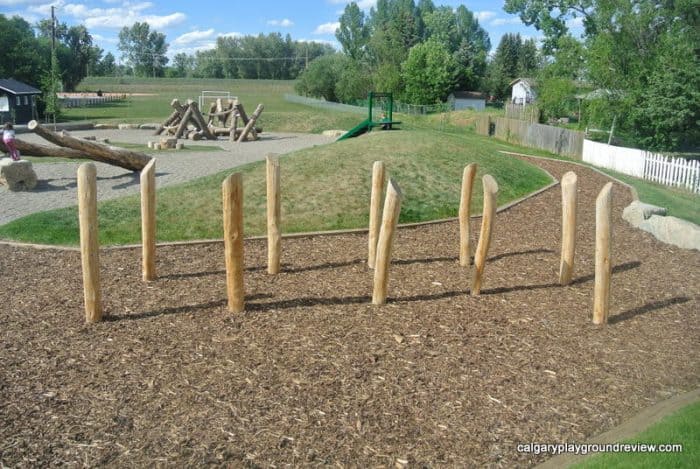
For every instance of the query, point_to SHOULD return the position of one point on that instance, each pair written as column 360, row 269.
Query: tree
column 106, row 67
column 429, row 73
column 144, row 49
column 352, row 33
column 21, row 55
column 321, row 76
column 183, row 65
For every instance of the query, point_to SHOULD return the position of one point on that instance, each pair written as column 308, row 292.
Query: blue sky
column 194, row 25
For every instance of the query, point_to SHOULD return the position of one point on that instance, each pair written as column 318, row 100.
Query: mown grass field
column 324, row 188
column 683, row 427
column 150, row 102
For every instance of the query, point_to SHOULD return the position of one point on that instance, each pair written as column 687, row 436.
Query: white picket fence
column 675, row 172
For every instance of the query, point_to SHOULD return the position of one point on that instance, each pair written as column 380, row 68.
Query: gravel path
column 58, row 186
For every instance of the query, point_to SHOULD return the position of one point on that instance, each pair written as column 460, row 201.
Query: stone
column 148, row 126
column 126, row 126
column 672, row 230
column 17, row 175
column 333, row 133
column 150, row 144
column 636, row 212
column 179, row 146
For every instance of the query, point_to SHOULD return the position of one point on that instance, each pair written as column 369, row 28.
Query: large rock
column 672, row 230
column 636, row 212
column 17, row 175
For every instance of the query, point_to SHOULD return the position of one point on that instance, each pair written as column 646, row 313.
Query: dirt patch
column 313, row 374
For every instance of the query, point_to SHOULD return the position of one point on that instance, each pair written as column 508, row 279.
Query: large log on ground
column 122, row 157
column 50, row 151
column 251, row 123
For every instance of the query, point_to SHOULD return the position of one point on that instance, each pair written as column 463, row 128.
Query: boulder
column 148, row 126
column 127, row 126
column 672, row 230
column 333, row 133
column 17, row 175
column 636, row 212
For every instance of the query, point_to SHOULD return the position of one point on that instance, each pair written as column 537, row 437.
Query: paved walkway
column 58, row 186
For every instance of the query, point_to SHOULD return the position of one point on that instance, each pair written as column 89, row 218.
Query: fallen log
column 172, row 118
column 121, row 157
column 51, row 151
column 241, row 112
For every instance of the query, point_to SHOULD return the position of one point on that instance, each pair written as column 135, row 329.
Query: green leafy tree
column 429, row 73
column 353, row 34
column 21, row 55
column 143, row 49
column 321, row 76
column 51, row 85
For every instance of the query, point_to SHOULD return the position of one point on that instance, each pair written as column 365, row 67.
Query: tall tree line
column 419, row 51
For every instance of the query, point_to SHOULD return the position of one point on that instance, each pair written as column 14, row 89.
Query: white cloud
column 483, row 16
column 363, row 4
column 284, row 23
column 327, row 28
column 19, row 2
column 194, row 36
column 504, row 21
column 231, row 34
column 127, row 19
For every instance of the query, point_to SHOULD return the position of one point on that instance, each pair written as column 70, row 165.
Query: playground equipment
column 385, row 121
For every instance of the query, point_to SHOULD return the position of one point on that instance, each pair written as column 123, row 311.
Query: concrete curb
column 630, row 428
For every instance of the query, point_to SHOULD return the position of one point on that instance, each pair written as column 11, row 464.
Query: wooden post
column 603, row 266
column 232, row 191
column 375, row 210
column 487, row 220
column 465, row 200
column 89, row 241
column 274, row 237
column 182, row 126
column 569, row 184
column 390, row 218
column 148, row 220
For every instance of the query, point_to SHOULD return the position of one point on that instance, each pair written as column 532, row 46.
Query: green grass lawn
column 683, row 427
column 150, row 102
column 324, row 188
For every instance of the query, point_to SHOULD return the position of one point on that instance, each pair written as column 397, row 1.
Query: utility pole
column 53, row 29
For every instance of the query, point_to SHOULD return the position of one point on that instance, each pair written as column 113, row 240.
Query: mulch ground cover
column 313, row 374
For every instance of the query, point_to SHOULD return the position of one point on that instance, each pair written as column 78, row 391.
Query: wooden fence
column 84, row 101
column 655, row 167
column 544, row 137
column 529, row 112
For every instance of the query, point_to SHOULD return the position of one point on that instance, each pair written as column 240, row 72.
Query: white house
column 467, row 100
column 524, row 91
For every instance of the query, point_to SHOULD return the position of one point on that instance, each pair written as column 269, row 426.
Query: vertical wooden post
column 274, row 237
column 89, row 241
column 569, row 185
column 148, row 220
column 465, row 200
column 375, row 211
column 603, row 266
column 232, row 191
column 487, row 220
column 250, row 125
column 390, row 218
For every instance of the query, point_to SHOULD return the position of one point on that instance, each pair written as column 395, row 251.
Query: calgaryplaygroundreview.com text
column 583, row 449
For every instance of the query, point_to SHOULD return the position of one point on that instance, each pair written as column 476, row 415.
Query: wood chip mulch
column 314, row 374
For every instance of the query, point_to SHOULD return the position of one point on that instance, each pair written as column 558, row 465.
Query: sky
column 190, row 26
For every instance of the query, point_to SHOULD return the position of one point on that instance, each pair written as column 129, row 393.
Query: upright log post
column 375, row 211
column 89, row 241
column 274, row 236
column 465, row 201
column 603, row 265
column 390, row 218
column 148, row 221
column 569, row 184
column 251, row 123
column 232, row 131
column 487, row 220
column 232, row 192
column 199, row 121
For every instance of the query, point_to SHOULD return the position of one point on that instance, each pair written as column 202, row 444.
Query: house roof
column 17, row 87
column 528, row 81
column 469, row 95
